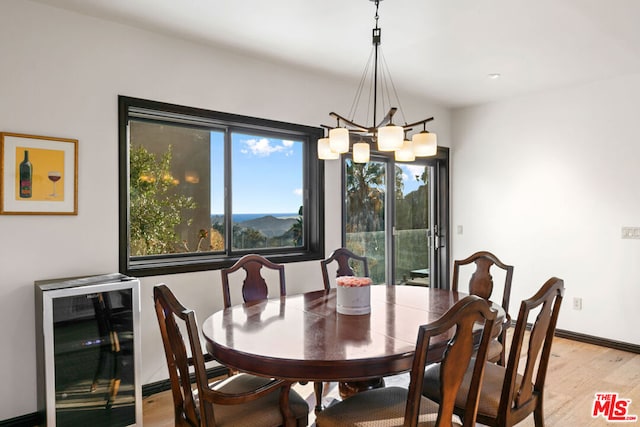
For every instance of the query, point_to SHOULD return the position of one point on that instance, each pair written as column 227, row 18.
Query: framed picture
column 38, row 175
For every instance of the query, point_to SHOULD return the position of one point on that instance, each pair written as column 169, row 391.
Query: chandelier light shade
column 324, row 150
column 361, row 152
column 405, row 152
column 339, row 140
column 425, row 144
column 388, row 136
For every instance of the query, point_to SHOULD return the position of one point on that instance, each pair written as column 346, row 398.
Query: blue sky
column 267, row 174
column 409, row 173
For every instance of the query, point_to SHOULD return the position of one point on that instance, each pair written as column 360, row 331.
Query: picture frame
column 38, row 175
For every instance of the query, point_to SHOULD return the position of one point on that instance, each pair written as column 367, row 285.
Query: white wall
column 60, row 75
column 546, row 182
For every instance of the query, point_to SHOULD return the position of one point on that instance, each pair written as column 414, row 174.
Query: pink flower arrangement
column 353, row 282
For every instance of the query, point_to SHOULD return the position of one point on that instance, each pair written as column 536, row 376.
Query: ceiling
column 442, row 49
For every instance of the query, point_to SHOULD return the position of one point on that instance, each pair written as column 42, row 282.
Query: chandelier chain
column 363, row 80
column 387, row 74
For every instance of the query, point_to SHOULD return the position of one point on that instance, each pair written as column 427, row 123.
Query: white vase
column 353, row 299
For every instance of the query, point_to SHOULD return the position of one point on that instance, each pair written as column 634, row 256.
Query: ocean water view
column 237, row 218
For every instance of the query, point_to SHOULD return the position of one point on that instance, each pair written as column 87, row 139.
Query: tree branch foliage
column 155, row 209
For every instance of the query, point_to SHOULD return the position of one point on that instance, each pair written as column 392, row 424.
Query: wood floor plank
column 577, row 371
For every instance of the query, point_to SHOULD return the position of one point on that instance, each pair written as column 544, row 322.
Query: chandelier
column 387, row 135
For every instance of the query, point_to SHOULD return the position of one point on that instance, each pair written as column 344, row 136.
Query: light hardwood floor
column 576, row 372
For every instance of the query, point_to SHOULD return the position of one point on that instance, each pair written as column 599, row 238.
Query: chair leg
column 538, row 414
column 503, row 341
column 317, row 388
column 285, row 407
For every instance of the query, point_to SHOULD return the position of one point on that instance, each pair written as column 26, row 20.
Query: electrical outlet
column 577, row 303
column 630, row 232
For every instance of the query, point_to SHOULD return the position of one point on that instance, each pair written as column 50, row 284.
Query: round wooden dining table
column 302, row 337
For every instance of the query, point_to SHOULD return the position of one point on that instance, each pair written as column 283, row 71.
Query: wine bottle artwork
column 54, row 176
column 26, row 177
column 38, row 175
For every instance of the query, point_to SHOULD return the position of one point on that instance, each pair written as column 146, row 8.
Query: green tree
column 399, row 183
column 155, row 210
column 296, row 229
column 246, row 237
column 365, row 196
column 411, row 209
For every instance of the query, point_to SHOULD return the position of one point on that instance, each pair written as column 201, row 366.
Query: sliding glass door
column 365, row 227
column 396, row 214
column 413, row 222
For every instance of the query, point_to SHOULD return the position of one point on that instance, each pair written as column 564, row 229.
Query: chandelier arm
column 350, row 123
column 417, row 123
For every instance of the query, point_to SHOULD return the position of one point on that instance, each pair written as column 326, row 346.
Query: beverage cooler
column 88, row 351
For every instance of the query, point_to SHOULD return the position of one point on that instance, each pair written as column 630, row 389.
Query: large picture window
column 199, row 189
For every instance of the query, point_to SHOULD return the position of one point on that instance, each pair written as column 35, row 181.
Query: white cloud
column 297, row 191
column 415, row 170
column 263, row 147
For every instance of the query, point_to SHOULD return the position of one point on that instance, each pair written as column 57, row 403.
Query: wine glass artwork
column 54, row 176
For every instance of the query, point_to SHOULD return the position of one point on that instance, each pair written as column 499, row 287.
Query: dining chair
column 254, row 286
column 399, row 406
column 239, row 400
column 510, row 394
column 348, row 263
column 481, row 284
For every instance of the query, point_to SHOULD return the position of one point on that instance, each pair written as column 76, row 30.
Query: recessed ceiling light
column 494, row 76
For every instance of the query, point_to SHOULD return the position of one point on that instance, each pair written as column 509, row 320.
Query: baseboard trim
column 28, row 420
column 603, row 342
column 591, row 339
column 164, row 385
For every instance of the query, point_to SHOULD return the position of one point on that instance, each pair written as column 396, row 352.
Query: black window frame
column 313, row 170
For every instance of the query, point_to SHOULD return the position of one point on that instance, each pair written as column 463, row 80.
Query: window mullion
column 228, row 193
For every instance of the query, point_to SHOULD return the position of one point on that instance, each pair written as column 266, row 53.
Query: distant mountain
column 269, row 225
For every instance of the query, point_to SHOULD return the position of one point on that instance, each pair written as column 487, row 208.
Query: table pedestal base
column 349, row 388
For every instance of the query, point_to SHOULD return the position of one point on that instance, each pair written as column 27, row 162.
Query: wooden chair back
column 254, row 286
column 239, row 400
column 170, row 314
column 349, row 264
column 460, row 321
column 518, row 398
column 481, row 284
